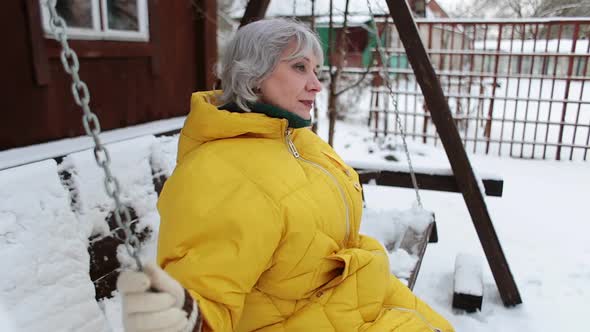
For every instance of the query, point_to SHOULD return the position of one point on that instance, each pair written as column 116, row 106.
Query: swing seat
column 405, row 235
column 407, row 249
column 131, row 164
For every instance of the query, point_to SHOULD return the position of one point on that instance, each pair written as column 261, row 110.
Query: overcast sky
column 450, row 5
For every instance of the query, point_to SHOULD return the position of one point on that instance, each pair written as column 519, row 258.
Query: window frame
column 126, row 35
column 100, row 30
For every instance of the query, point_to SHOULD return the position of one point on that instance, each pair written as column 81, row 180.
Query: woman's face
column 293, row 84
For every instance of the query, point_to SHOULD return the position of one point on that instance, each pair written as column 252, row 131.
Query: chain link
column 69, row 60
column 400, row 126
column 91, row 123
column 101, row 156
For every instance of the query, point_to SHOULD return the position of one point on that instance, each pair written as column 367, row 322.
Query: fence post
column 567, row 89
column 425, row 123
column 488, row 129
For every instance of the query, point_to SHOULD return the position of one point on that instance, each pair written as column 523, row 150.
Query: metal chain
column 71, row 65
column 400, row 126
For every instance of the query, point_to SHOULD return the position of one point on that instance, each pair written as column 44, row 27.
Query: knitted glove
column 154, row 301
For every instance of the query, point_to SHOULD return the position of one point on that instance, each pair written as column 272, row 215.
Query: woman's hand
column 154, row 301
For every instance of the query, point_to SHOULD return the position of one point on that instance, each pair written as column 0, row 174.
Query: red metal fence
column 516, row 87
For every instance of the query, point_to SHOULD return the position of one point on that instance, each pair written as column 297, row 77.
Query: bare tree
column 338, row 86
column 573, row 8
column 522, row 8
column 335, row 72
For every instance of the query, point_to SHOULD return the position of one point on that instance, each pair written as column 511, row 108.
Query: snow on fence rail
column 515, row 87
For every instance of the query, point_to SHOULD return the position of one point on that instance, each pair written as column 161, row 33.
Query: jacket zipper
column 419, row 315
column 296, row 154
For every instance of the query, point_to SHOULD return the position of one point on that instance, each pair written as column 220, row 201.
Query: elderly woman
column 260, row 219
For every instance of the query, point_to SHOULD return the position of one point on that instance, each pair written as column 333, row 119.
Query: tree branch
column 355, row 84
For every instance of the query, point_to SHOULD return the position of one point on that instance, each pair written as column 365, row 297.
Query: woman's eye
column 299, row 67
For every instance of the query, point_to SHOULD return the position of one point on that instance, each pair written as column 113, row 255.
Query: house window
column 125, row 20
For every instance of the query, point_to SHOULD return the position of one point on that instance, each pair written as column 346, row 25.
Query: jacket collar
column 206, row 122
column 294, row 120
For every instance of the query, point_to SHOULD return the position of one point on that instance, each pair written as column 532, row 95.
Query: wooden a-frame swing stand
column 443, row 120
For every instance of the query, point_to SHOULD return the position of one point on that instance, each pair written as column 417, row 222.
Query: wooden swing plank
column 438, row 182
column 416, row 244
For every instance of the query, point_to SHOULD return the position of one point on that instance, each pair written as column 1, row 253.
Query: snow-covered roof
column 358, row 11
column 322, row 8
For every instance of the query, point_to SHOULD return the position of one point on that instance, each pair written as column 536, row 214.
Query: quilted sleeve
column 218, row 234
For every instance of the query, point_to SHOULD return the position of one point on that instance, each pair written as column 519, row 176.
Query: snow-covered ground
column 542, row 224
column 541, row 220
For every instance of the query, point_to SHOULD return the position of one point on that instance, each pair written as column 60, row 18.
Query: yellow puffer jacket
column 260, row 223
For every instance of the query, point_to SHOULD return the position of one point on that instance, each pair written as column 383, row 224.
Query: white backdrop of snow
column 45, row 282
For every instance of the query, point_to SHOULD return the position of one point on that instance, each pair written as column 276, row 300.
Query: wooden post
column 488, row 129
column 37, row 40
column 207, row 36
column 154, row 19
column 255, row 10
column 570, row 67
column 443, row 119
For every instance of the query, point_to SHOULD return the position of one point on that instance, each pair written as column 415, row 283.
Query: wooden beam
column 206, row 25
column 425, row 181
column 155, row 28
column 210, row 36
column 36, row 38
column 255, row 10
column 100, row 49
column 464, row 175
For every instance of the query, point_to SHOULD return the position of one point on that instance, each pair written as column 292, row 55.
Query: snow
column 45, row 283
column 389, row 226
column 6, row 324
column 541, row 222
column 135, row 182
column 24, row 155
column 468, row 275
column 164, row 155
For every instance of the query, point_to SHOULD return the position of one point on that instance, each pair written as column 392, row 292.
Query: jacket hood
column 206, row 123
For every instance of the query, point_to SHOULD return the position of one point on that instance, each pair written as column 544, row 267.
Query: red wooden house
column 141, row 60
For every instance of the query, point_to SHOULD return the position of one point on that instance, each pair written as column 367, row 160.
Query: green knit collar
column 295, row 121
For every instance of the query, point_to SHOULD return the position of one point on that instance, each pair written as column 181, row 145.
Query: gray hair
column 255, row 51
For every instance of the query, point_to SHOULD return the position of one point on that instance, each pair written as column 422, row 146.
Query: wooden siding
column 130, row 82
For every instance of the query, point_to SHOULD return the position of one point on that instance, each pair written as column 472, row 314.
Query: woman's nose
column 314, row 84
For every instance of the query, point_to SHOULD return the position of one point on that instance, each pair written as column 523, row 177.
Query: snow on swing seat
column 405, row 235
column 131, row 165
column 45, row 282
